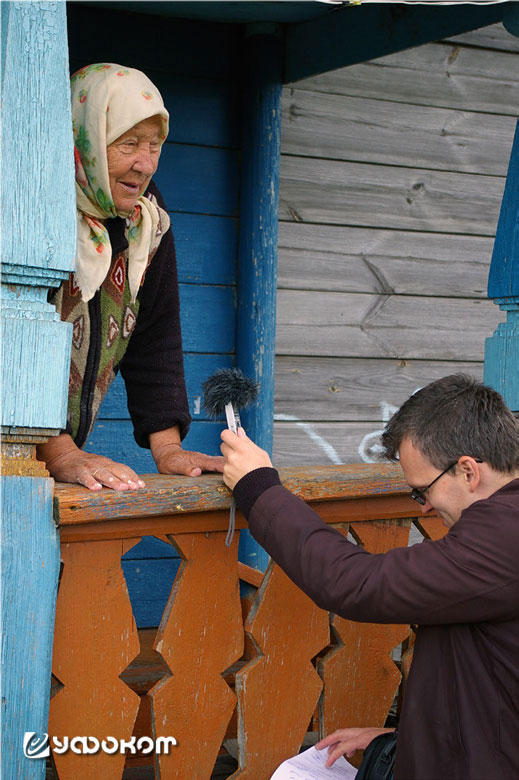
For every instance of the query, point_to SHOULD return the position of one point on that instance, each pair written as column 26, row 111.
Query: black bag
column 379, row 758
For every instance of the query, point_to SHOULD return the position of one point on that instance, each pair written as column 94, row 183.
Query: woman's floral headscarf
column 108, row 100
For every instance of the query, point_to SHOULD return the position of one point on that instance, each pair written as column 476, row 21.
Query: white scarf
column 108, row 100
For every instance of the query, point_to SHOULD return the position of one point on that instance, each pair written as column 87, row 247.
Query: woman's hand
column 170, row 458
column 347, row 741
column 241, row 456
column 67, row 463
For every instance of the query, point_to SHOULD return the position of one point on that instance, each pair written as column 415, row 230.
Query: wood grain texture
column 29, row 581
column 33, row 396
column 172, row 495
column 359, row 675
column 201, row 636
column 287, row 630
column 339, row 235
column 38, row 247
column 343, row 127
column 207, row 316
column 191, row 100
column 436, row 74
column 206, row 248
column 379, row 196
column 333, row 511
column 36, row 254
column 494, row 36
column 501, row 355
column 199, row 179
column 317, row 388
column 503, row 278
column 383, row 326
column 501, row 361
column 257, row 256
column 320, row 442
column 344, row 39
column 194, row 703
column 431, row 527
column 35, row 44
column 350, row 259
column 95, row 640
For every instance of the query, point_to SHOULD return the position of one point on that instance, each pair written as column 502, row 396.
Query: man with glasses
column 458, row 446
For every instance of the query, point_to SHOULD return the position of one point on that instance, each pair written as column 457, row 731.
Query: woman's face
column 132, row 161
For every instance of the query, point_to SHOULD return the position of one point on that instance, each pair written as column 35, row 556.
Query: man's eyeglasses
column 418, row 493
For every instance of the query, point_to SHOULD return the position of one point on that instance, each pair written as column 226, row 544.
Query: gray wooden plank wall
column 392, row 174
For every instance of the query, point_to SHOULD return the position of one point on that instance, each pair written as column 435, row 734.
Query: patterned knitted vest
column 101, row 330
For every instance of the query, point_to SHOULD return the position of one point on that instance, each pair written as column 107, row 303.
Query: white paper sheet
column 310, row 765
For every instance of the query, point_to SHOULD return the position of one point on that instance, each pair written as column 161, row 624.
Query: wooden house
column 220, row 67
column 392, row 175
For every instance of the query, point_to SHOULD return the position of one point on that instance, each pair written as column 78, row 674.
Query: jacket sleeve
column 471, row 575
column 153, row 367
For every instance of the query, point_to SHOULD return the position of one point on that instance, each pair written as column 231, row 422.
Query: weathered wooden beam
column 382, row 326
column 257, row 262
column 360, row 390
column 342, row 127
column 503, row 278
column 175, row 495
column 378, row 260
column 444, row 75
column 385, row 196
column 179, row 505
column 257, row 259
column 502, row 349
column 38, row 249
column 356, row 34
column 30, row 567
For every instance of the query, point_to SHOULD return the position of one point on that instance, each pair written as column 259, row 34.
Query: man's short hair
column 455, row 416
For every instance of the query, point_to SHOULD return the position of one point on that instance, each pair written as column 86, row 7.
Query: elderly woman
column 122, row 299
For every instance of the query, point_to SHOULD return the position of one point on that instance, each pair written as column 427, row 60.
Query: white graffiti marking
column 325, row 446
column 370, row 448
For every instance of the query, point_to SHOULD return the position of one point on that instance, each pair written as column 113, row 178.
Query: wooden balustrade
column 264, row 669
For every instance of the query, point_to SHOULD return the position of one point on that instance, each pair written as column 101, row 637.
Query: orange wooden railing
column 265, row 669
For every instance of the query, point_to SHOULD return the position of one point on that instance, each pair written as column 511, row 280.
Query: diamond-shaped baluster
column 360, row 676
column 95, row 640
column 279, row 689
column 200, row 636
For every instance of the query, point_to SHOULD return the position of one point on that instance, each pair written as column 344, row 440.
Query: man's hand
column 347, row 741
column 170, row 458
column 67, row 463
column 241, row 456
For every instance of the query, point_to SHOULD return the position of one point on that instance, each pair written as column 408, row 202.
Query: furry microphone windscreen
column 228, row 386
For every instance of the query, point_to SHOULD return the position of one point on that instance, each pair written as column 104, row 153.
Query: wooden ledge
column 176, row 495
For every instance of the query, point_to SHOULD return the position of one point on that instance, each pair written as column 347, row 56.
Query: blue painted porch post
column 502, row 349
column 257, row 263
column 38, row 248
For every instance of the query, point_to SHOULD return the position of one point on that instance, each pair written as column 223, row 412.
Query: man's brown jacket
column 460, row 717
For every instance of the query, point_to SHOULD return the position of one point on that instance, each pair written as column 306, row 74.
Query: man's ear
column 471, row 472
